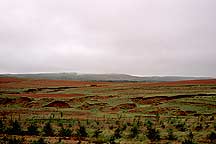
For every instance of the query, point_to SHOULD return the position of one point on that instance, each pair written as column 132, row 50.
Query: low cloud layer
column 140, row 37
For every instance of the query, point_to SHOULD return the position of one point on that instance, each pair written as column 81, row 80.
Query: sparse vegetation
column 108, row 113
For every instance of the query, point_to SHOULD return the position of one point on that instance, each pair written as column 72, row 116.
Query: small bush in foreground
column 189, row 140
column 48, row 130
column 2, row 127
column 81, row 132
column 134, row 131
column 171, row 136
column 152, row 133
column 65, row 132
column 33, row 129
column 15, row 128
column 212, row 136
column 117, row 133
column 97, row 133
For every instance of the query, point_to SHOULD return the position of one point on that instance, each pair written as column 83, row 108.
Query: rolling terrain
column 103, row 77
column 109, row 112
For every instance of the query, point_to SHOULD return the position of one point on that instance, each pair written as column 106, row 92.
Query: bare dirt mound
column 59, row 104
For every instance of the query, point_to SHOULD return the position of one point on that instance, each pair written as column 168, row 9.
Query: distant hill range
column 103, row 77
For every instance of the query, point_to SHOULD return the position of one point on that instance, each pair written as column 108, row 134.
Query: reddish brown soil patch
column 114, row 110
column 4, row 80
column 48, row 95
column 59, row 104
column 37, row 83
column 23, row 100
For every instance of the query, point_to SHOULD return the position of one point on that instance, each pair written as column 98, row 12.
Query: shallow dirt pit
column 59, row 104
column 127, row 106
column 23, row 100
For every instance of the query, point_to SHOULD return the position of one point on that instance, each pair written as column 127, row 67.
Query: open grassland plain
column 37, row 111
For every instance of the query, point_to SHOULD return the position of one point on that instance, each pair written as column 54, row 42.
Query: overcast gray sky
column 140, row 37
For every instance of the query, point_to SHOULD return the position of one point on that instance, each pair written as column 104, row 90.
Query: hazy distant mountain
column 102, row 77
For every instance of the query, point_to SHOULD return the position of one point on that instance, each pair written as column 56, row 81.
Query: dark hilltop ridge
column 103, row 77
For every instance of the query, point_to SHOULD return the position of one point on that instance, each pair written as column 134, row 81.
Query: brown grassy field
column 108, row 112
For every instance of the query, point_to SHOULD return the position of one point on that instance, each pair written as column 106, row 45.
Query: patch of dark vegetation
column 5, row 101
column 159, row 99
column 50, row 89
column 21, row 101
